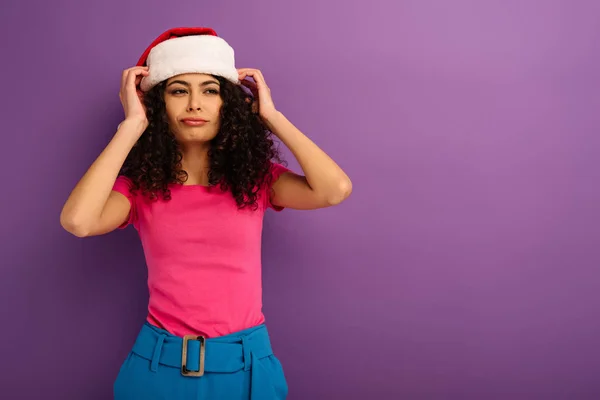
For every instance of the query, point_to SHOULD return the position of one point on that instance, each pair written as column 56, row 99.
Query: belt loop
column 156, row 355
column 246, row 351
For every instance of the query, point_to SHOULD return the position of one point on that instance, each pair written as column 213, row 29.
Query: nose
column 194, row 104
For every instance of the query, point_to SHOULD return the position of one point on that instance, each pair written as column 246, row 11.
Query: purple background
column 464, row 265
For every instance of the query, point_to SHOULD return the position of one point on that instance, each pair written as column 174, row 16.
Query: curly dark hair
column 240, row 154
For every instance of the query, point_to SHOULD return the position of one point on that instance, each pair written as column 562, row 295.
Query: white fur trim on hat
column 190, row 54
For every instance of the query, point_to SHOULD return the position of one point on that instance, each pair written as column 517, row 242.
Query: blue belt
column 196, row 355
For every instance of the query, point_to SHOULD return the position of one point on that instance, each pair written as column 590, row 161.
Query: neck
column 196, row 163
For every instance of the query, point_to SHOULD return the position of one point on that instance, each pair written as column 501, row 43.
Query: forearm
column 323, row 175
column 87, row 200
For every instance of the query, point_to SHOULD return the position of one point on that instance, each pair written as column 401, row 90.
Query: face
column 193, row 103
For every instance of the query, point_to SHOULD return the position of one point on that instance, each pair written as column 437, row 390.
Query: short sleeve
column 276, row 171
column 123, row 185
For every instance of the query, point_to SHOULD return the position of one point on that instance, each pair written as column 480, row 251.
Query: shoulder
column 124, row 185
column 124, row 180
column 276, row 170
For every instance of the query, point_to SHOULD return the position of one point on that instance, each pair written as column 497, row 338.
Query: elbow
column 74, row 227
column 80, row 233
column 343, row 191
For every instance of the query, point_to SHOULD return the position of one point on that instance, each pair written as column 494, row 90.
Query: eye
column 212, row 91
column 178, row 91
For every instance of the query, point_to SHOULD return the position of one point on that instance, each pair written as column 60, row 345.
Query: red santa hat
column 187, row 50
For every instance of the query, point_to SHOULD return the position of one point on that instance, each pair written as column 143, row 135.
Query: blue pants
column 236, row 366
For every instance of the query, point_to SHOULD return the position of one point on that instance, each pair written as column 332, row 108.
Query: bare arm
column 92, row 208
column 324, row 183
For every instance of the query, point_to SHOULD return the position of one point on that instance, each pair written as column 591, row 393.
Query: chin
column 193, row 139
column 195, row 135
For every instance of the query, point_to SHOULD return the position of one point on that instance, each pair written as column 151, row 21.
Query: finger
column 138, row 68
column 244, row 72
column 135, row 76
column 123, row 79
column 261, row 78
column 131, row 78
column 139, row 78
column 253, row 72
column 140, row 95
column 258, row 78
column 126, row 72
column 243, row 76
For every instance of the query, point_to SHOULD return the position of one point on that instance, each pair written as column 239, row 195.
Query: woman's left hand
column 260, row 90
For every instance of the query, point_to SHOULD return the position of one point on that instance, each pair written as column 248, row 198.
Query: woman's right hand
column 131, row 96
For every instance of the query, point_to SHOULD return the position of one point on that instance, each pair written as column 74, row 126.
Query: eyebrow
column 184, row 83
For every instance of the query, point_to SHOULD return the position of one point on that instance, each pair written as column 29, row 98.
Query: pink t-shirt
column 203, row 256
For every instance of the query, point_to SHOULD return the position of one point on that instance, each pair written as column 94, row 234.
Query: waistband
column 195, row 355
column 226, row 354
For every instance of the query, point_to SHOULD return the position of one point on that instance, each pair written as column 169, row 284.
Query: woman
column 193, row 168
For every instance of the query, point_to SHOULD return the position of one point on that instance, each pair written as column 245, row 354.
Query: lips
column 194, row 121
